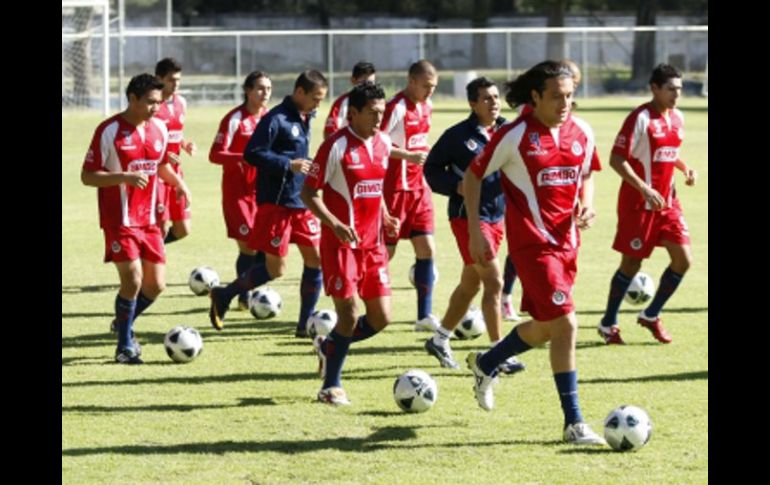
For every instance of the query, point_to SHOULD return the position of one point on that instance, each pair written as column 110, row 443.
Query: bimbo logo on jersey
column 666, row 154
column 367, row 188
column 148, row 167
column 418, row 140
column 175, row 136
column 557, row 176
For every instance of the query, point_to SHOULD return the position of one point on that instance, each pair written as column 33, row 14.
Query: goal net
column 85, row 54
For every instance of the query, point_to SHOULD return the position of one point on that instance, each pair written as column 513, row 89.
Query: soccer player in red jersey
column 350, row 168
column 338, row 114
column 126, row 156
column 645, row 154
column 545, row 158
column 172, row 112
column 407, row 196
column 239, row 179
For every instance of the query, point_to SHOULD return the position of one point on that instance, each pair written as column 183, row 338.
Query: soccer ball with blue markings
column 183, row 344
column 321, row 322
column 641, row 289
column 471, row 326
column 415, row 391
column 411, row 275
column 627, row 428
column 265, row 303
column 202, row 280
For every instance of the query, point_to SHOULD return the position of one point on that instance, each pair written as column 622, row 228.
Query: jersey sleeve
column 332, row 124
column 220, row 153
column 499, row 151
column 437, row 167
column 325, row 164
column 98, row 150
column 627, row 136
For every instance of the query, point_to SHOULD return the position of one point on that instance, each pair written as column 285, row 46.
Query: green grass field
column 244, row 411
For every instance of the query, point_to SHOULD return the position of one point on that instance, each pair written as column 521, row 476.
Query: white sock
column 441, row 337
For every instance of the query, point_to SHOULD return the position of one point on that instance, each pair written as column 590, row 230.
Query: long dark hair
column 519, row 91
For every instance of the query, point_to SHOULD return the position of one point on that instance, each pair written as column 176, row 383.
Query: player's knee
column 493, row 286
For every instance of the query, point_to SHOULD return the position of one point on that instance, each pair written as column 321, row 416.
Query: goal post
column 85, row 56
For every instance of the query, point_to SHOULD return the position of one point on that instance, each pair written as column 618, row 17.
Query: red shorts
column 348, row 271
column 547, row 275
column 639, row 231
column 492, row 232
column 415, row 211
column 277, row 226
column 123, row 244
column 169, row 207
column 240, row 213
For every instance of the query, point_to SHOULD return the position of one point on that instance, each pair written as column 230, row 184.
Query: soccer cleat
column 508, row 311
column 427, row 324
column 443, row 354
column 482, row 385
column 333, row 395
column 511, row 365
column 301, row 333
column 243, row 304
column 610, row 336
column 127, row 356
column 582, row 434
column 655, row 326
column 321, row 355
column 218, row 307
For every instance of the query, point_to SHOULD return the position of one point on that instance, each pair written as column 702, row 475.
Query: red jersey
column 650, row 142
column 235, row 129
column 542, row 170
column 407, row 124
column 338, row 116
column 172, row 112
column 118, row 146
column 351, row 172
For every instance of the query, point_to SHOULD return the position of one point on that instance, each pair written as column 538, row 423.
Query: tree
column 643, row 58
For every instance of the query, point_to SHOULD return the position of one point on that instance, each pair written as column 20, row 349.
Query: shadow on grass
column 389, row 437
column 210, row 379
column 600, row 343
column 73, row 289
column 682, row 376
column 636, row 311
column 245, row 402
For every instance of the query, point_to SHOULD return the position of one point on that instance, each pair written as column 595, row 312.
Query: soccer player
column 407, row 196
column 350, row 168
column 172, row 112
column 545, row 157
column 279, row 150
column 239, row 179
column 338, row 114
column 645, row 153
column 126, row 156
column 444, row 169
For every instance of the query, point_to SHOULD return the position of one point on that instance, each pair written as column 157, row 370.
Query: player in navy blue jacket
column 444, row 170
column 279, row 149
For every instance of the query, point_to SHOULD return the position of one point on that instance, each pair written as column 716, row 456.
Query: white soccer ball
column 411, row 275
column 265, row 303
column 321, row 322
column 642, row 288
column 183, row 344
column 415, row 391
column 202, row 280
column 471, row 326
column 627, row 428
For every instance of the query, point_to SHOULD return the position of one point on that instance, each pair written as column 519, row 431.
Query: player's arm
column 691, row 176
column 174, row 180
column 103, row 178
column 417, row 158
column 392, row 224
column 438, row 168
column 586, row 212
column 313, row 201
column 259, row 151
column 220, row 153
column 623, row 168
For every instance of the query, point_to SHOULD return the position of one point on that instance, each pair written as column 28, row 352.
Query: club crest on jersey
column 554, row 176
column 577, row 148
column 116, row 247
column 244, row 229
column 161, row 208
column 294, row 131
column 367, row 189
column 636, row 244
column 558, row 297
column 471, row 144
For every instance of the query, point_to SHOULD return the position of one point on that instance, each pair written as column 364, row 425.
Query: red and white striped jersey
column 407, row 124
column 233, row 135
column 338, row 115
column 650, row 142
column 351, row 172
column 119, row 146
column 542, row 170
column 172, row 112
